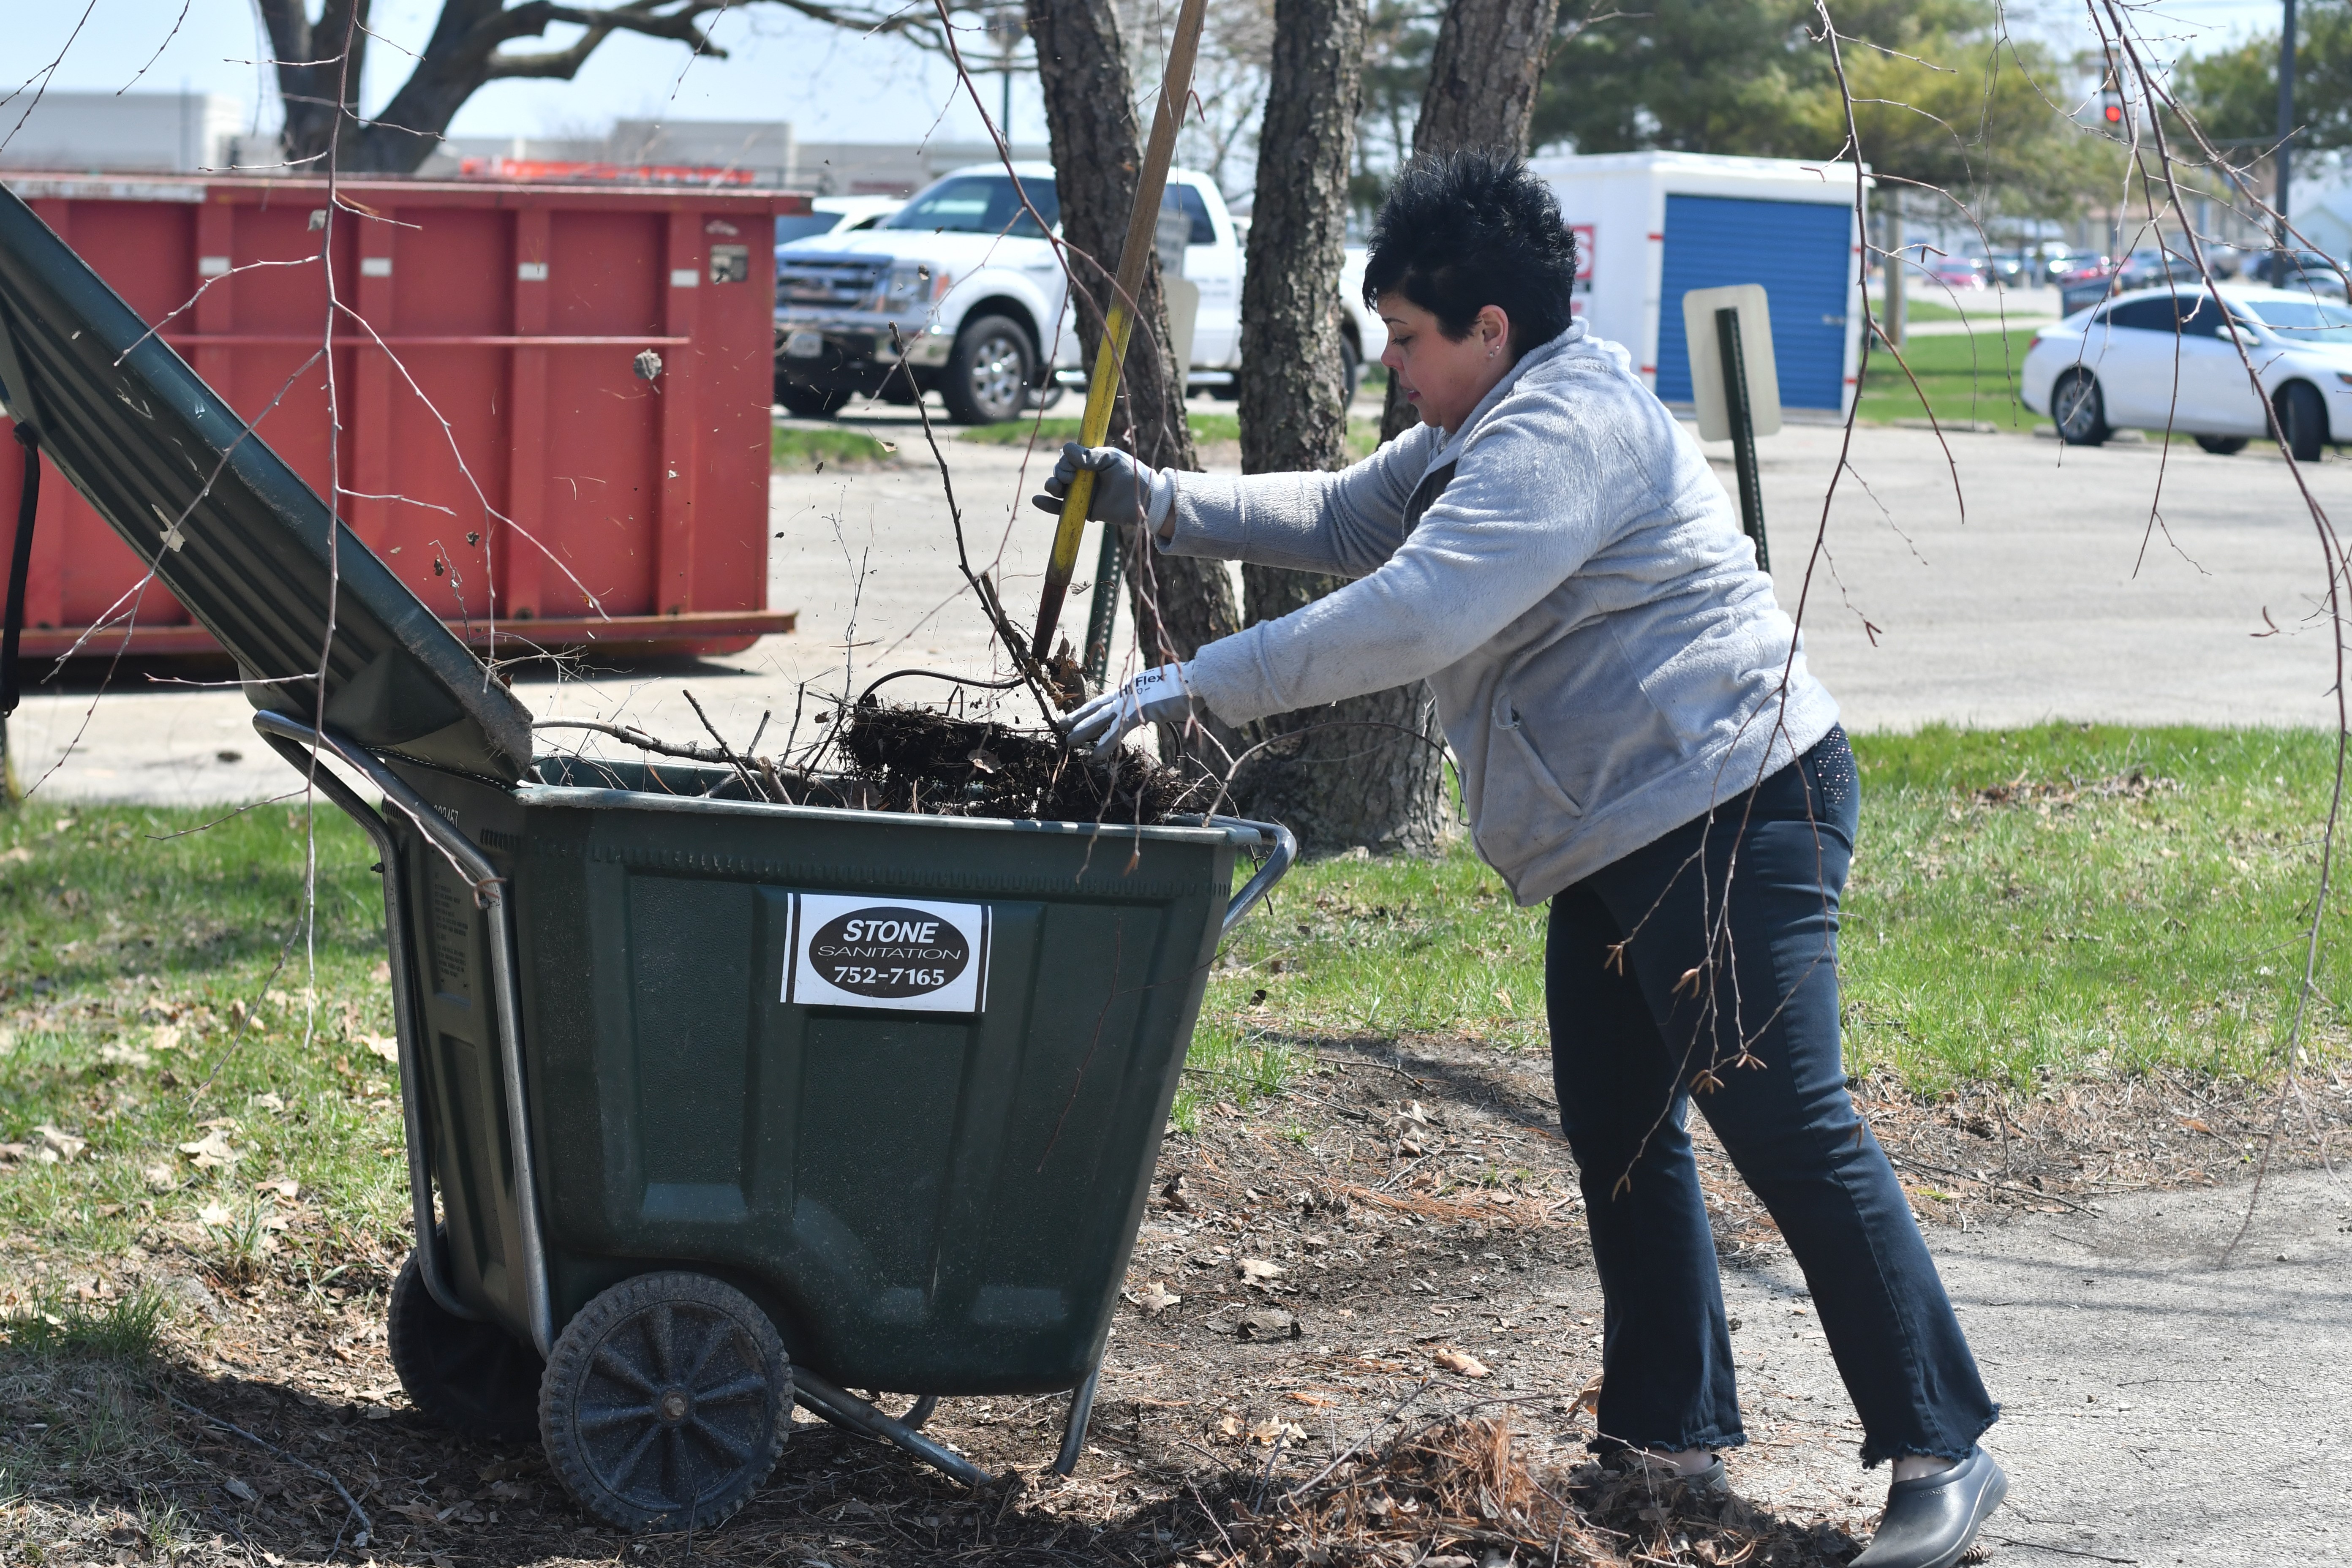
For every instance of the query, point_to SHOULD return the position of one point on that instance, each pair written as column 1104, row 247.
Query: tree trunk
column 1337, row 776
column 464, row 52
column 318, row 85
column 1180, row 604
column 1482, row 93
column 1293, row 410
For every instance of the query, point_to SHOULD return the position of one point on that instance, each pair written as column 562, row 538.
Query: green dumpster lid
column 229, row 528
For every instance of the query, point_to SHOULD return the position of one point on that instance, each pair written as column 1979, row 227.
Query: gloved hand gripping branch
column 1126, row 492
column 1162, row 696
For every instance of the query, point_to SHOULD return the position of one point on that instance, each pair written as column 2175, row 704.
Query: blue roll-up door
column 1802, row 254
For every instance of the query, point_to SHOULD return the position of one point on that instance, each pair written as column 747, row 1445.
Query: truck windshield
column 980, row 204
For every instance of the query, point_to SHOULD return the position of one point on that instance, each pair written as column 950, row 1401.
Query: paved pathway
column 2158, row 1408
column 2076, row 588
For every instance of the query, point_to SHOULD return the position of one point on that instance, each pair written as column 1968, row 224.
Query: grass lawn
column 790, row 447
column 2021, row 910
column 1966, row 377
column 2058, row 903
column 153, row 1001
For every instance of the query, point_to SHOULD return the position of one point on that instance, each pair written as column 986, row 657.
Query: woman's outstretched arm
column 1345, row 524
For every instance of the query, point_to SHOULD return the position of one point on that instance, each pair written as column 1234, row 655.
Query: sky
column 834, row 86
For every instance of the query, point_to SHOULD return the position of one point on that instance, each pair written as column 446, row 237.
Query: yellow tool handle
column 1102, row 395
column 1102, row 387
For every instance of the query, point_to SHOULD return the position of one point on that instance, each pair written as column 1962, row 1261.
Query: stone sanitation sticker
column 870, row 952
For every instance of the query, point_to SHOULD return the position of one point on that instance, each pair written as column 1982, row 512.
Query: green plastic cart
column 725, row 1104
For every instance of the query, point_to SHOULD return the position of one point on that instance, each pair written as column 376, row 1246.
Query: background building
column 766, row 151
column 143, row 132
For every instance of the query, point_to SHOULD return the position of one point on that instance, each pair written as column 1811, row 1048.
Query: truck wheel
column 2222, row 446
column 473, row 1378
column 1351, row 370
column 988, row 375
column 2303, row 419
column 2078, row 410
column 808, row 403
column 666, row 1403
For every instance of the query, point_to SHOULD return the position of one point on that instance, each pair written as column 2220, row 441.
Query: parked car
column 2154, row 266
column 2076, row 266
column 2304, row 271
column 975, row 290
column 2012, row 270
column 2082, row 293
column 2159, row 359
column 2050, row 260
column 1957, row 272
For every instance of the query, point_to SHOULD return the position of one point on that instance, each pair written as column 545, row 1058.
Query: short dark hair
column 1463, row 230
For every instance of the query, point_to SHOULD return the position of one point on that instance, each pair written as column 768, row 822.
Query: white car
column 2160, row 359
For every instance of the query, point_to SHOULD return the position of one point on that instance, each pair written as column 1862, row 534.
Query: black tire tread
column 573, row 1353
column 955, row 385
column 2303, row 419
column 2099, row 430
column 473, row 1378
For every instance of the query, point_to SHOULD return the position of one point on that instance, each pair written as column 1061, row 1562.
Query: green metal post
column 1743, row 432
column 1102, row 614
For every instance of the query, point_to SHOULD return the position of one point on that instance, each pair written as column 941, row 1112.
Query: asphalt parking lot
column 2010, row 581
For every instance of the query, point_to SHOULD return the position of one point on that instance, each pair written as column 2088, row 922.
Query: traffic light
column 2111, row 109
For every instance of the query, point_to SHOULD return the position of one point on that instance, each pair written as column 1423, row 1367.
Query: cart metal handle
column 295, row 741
column 1248, row 834
column 429, row 1262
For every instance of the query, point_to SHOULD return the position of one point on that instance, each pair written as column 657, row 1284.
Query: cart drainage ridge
column 727, row 1104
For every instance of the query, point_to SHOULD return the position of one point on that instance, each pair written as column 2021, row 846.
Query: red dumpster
column 550, row 404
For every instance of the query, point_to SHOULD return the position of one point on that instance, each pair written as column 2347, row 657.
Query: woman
column 1639, row 743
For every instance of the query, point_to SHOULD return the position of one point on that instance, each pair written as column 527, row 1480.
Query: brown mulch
column 1373, row 1286
column 1461, row 1492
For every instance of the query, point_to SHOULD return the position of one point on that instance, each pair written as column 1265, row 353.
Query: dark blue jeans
column 1704, row 966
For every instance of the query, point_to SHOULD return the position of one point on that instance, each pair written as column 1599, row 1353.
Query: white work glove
column 1126, row 492
column 1162, row 696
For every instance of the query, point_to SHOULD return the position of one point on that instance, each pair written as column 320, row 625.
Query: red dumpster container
column 490, row 391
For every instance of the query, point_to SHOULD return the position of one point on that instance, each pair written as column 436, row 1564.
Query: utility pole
column 2286, row 120
column 1895, row 313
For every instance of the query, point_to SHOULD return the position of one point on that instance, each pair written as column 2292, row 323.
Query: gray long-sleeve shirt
column 1607, row 660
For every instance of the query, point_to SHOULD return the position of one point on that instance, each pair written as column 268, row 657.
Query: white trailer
column 1651, row 227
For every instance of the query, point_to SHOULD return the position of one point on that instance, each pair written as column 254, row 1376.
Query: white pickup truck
column 973, row 286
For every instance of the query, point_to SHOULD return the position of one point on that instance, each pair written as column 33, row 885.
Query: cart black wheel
column 473, row 1378
column 666, row 1403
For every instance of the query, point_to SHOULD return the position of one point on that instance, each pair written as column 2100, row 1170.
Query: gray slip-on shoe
column 1931, row 1522
column 1710, row 1483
